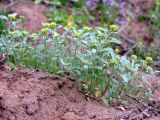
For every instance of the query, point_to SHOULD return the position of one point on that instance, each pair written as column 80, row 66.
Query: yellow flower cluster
column 117, row 50
column 25, row 33
column 149, row 69
column 114, row 28
column 148, row 60
column 77, row 35
column 22, row 17
column 87, row 29
column 44, row 31
column 12, row 16
column 134, row 57
column 50, row 25
column 53, row 24
column 100, row 36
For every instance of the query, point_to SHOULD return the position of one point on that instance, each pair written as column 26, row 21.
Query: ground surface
column 34, row 14
column 31, row 95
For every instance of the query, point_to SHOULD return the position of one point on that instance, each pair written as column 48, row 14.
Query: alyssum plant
column 86, row 54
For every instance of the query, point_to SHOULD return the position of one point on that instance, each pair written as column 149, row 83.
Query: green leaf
column 114, row 40
column 2, row 17
column 125, row 78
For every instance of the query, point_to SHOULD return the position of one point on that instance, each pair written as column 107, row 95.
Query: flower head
column 134, row 57
column 47, row 25
column 117, row 50
column 22, row 17
column 148, row 60
column 86, row 29
column 149, row 69
column 44, row 31
column 114, row 28
column 100, row 36
column 12, row 16
column 25, row 33
column 52, row 24
column 77, row 35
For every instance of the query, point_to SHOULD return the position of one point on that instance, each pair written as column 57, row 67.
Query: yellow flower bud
column 87, row 29
column 149, row 69
column 134, row 57
column 100, row 36
column 52, row 25
column 22, row 17
column 25, row 33
column 12, row 16
column 113, row 28
column 77, row 35
column 47, row 25
column 148, row 60
column 44, row 31
column 117, row 50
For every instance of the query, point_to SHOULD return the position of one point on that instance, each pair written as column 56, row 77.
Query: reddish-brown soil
column 136, row 30
column 34, row 14
column 31, row 95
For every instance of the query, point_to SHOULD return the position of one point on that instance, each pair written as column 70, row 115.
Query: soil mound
column 31, row 95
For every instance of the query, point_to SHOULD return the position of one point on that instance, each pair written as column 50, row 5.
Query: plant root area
column 34, row 95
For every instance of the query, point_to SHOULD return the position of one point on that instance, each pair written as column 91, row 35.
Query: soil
column 33, row 95
column 3, row 3
column 138, row 30
column 34, row 15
